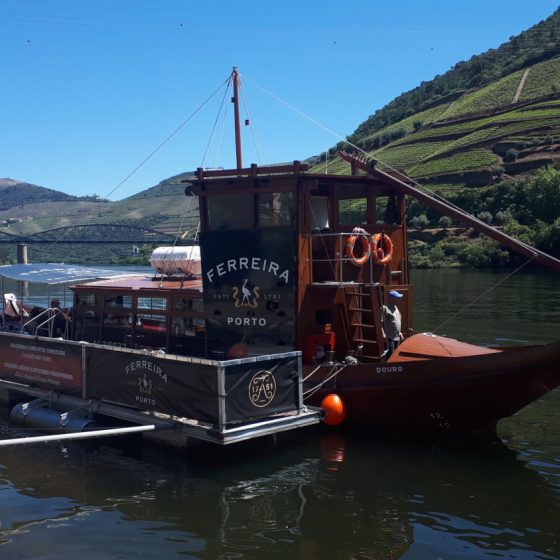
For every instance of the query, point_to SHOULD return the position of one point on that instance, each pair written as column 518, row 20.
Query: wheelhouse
column 285, row 268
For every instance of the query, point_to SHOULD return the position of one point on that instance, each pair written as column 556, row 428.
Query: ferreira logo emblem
column 249, row 298
column 262, row 388
column 145, row 385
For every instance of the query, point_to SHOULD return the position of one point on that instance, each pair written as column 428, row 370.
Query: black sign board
column 48, row 364
column 150, row 383
column 263, row 389
column 249, row 288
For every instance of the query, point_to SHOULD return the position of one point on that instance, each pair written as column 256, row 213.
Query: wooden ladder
column 363, row 310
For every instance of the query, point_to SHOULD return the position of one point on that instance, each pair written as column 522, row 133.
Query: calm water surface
column 316, row 494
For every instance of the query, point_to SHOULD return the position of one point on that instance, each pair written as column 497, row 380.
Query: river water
column 315, row 494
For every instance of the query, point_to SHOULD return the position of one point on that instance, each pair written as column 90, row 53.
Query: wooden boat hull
column 417, row 391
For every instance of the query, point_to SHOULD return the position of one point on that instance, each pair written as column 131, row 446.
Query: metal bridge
column 97, row 233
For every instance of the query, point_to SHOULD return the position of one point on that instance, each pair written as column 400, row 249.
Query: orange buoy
column 335, row 411
column 237, row 351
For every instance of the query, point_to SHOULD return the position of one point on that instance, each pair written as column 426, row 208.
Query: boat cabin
column 141, row 312
column 297, row 260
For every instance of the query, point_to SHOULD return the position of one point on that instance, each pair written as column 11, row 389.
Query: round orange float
column 335, row 411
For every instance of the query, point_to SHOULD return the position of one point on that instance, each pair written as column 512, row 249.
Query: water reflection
column 336, row 497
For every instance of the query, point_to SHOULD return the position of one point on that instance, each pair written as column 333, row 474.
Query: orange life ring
column 382, row 241
column 366, row 248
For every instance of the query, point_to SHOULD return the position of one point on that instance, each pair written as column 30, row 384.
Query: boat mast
column 235, row 100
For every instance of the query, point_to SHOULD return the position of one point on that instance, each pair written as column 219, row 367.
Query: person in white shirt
column 392, row 322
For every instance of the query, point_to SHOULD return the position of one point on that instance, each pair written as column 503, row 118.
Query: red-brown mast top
column 235, row 100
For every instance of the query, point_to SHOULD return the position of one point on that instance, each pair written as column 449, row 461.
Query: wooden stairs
column 363, row 303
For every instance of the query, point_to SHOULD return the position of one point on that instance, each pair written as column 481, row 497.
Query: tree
column 485, row 217
column 420, row 222
column 511, row 155
column 445, row 222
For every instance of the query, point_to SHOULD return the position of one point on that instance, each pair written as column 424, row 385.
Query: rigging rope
column 254, row 131
column 483, row 294
column 216, row 122
column 162, row 144
column 362, row 151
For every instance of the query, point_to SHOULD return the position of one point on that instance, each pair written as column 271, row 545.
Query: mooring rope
column 332, row 375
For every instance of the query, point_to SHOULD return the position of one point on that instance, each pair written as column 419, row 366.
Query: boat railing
column 49, row 316
column 328, row 260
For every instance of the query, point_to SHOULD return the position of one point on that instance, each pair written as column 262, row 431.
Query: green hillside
column 539, row 43
column 486, row 135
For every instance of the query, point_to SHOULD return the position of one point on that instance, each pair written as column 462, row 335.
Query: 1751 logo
column 262, row 388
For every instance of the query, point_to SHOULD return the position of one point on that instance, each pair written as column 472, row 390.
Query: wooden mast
column 455, row 213
column 235, row 99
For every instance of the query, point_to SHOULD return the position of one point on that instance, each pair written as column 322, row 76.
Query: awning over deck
column 55, row 273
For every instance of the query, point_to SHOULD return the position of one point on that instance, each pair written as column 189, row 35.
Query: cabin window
column 187, row 336
column 118, row 301
column 387, row 210
column 186, row 326
column 86, row 325
column 151, row 330
column 117, row 328
column 188, row 305
column 231, row 211
column 352, row 211
column 319, row 210
column 152, row 303
column 276, row 209
column 87, row 300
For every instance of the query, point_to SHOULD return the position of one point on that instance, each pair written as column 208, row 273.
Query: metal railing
column 339, row 258
column 51, row 314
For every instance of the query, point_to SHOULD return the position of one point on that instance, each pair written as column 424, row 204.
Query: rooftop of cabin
column 142, row 283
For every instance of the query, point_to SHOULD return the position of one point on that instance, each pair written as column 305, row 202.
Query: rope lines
column 257, row 141
column 216, row 121
column 166, row 140
column 483, row 294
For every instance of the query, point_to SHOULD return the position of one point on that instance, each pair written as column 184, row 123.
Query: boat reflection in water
column 331, row 497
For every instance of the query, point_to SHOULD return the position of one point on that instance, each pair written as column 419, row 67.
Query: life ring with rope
column 351, row 240
column 382, row 248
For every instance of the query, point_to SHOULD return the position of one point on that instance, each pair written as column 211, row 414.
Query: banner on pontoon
column 47, row 364
column 150, row 383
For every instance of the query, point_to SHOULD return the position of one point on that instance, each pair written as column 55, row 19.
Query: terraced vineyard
column 483, row 132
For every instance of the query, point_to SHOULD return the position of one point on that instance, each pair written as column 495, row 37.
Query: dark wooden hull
column 424, row 391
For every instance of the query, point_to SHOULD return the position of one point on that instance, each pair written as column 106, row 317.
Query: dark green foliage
column 485, row 217
column 17, row 195
column 420, row 221
column 511, row 155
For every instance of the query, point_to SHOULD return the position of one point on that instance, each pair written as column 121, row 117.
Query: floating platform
column 80, row 387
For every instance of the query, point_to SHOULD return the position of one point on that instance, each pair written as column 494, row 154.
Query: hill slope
column 541, row 42
column 507, row 128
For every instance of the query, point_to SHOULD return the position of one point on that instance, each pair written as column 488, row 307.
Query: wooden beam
column 455, row 213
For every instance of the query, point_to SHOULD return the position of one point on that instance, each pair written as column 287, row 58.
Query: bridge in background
column 97, row 233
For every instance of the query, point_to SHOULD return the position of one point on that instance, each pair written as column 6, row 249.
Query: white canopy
column 54, row 273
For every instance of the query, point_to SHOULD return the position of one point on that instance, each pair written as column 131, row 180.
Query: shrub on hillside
column 511, row 155
column 420, row 222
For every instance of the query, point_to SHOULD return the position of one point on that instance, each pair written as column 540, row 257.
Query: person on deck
column 59, row 321
column 392, row 322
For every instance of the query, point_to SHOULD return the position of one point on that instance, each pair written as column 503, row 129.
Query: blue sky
column 91, row 88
